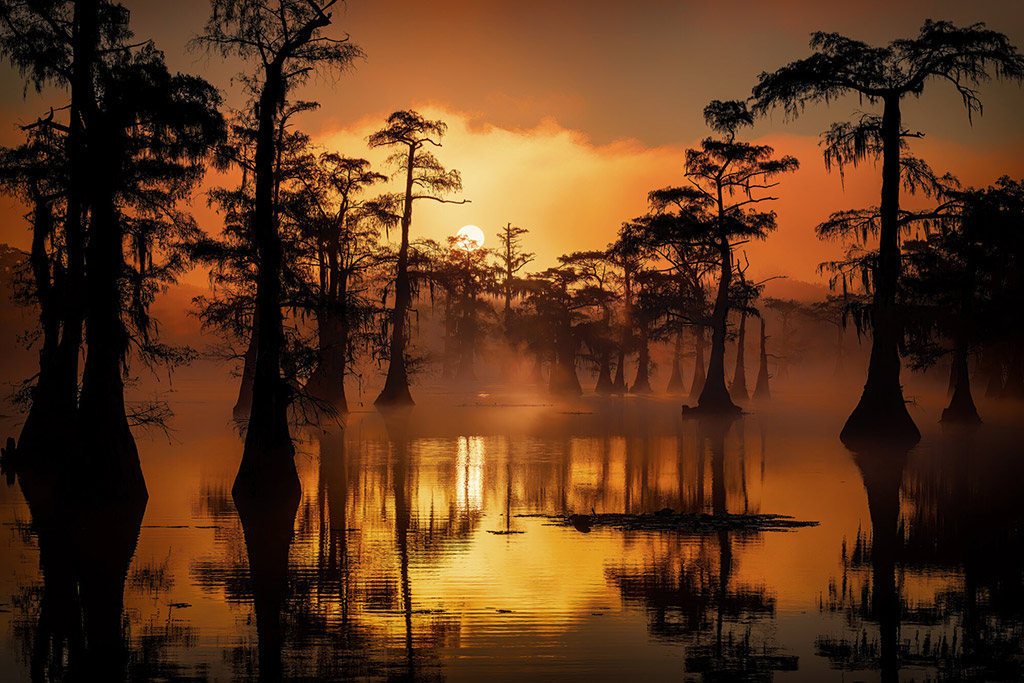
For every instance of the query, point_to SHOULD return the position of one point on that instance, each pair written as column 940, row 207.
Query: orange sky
column 564, row 115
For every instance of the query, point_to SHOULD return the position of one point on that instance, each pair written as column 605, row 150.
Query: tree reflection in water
column 87, row 531
column 687, row 586
column 383, row 567
column 959, row 524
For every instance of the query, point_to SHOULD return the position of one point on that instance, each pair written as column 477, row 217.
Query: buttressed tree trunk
column 738, row 391
column 108, row 446
column 327, row 382
column 675, row 382
column 604, row 376
column 243, row 406
column 604, row 384
column 564, row 381
column 714, row 398
column 269, row 455
column 619, row 384
column 761, row 391
column 642, row 382
column 467, row 345
column 961, row 408
column 697, row 385
column 882, row 412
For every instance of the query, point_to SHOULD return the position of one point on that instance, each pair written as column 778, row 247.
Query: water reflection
column 690, row 594
column 86, row 541
column 387, row 564
column 941, row 574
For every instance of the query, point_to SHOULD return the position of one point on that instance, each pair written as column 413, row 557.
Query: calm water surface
column 418, row 550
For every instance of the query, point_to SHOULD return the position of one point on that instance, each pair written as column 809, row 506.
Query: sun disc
column 471, row 237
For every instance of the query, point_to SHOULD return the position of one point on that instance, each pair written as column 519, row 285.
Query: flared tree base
column 564, row 383
column 960, row 417
column 961, row 410
column 394, row 396
column 270, row 469
column 675, row 383
column 738, row 393
column 880, row 419
column 642, row 387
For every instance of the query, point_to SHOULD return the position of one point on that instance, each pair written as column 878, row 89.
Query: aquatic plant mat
column 689, row 523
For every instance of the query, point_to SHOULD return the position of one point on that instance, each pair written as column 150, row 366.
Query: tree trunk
column 882, row 413
column 761, row 391
column 699, row 378
column 604, row 376
column 269, row 453
column 243, row 406
column 738, row 390
column 714, row 398
column 396, row 386
column 642, row 382
column 327, row 383
column 107, row 442
column 467, row 343
column 961, row 408
column 675, row 383
column 55, row 396
column 619, row 384
column 564, row 381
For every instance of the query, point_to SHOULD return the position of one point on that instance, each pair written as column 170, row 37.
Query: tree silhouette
column 230, row 307
column 762, row 390
column 134, row 144
column 964, row 56
column 956, row 285
column 599, row 278
column 36, row 173
column 745, row 293
column 512, row 260
column 787, row 310
column 286, row 40
column 834, row 310
column 339, row 243
column 717, row 208
column 561, row 300
column 461, row 270
column 425, row 178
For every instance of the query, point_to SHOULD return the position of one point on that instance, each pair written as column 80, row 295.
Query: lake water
column 431, row 547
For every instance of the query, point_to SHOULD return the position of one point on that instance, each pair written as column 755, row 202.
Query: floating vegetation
column 692, row 523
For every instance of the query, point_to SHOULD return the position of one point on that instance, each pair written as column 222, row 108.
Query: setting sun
column 470, row 237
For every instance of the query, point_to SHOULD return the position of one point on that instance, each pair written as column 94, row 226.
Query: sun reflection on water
column 469, row 474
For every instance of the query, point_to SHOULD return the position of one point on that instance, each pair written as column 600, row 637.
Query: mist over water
column 432, row 544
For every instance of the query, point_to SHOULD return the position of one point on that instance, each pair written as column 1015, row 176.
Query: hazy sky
column 565, row 114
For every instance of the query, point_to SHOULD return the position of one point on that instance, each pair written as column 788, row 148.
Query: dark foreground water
column 396, row 567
